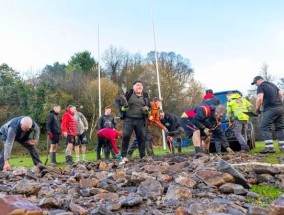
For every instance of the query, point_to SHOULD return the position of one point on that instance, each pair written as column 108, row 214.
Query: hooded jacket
column 237, row 106
column 69, row 123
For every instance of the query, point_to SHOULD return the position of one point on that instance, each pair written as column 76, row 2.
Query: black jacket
column 170, row 121
column 53, row 123
column 106, row 121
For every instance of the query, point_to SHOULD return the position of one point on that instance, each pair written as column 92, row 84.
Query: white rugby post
column 99, row 77
column 158, row 77
column 99, row 73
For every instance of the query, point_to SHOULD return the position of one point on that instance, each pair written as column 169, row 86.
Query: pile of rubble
column 204, row 184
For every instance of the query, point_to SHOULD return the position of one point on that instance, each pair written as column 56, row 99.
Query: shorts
column 82, row 139
column 55, row 139
column 70, row 139
column 188, row 126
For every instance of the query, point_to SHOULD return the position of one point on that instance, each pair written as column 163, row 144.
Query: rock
column 106, row 196
column 88, row 183
column 49, row 203
column 277, row 207
column 260, row 169
column 230, row 188
column 150, row 189
column 130, row 201
column 18, row 205
column 155, row 168
column 214, row 178
column 187, row 182
column 178, row 193
column 257, row 211
column 26, row 188
column 77, row 209
column 206, row 208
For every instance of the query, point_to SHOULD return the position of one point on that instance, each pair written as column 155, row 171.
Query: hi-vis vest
column 236, row 106
column 192, row 112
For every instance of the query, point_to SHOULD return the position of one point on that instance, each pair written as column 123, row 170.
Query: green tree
column 81, row 62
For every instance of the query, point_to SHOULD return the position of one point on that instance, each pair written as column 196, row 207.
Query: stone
column 17, row 205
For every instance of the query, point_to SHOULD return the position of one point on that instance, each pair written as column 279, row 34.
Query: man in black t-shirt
column 269, row 97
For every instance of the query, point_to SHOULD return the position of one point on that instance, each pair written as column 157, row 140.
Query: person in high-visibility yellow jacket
column 236, row 108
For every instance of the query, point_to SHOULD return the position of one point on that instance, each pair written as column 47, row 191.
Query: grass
column 26, row 161
column 269, row 158
column 267, row 194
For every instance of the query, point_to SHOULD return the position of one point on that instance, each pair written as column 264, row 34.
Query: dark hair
column 137, row 81
column 209, row 91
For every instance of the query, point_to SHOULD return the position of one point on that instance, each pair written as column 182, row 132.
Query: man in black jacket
column 174, row 129
column 54, row 132
column 218, row 133
column 135, row 118
column 269, row 97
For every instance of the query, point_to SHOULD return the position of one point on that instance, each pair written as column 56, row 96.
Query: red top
column 69, row 123
column 208, row 96
column 110, row 134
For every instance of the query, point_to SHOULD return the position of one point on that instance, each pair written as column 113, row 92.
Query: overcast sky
column 226, row 41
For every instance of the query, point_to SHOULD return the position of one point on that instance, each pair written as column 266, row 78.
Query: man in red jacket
column 69, row 131
column 105, row 135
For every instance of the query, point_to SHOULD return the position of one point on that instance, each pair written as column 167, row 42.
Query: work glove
column 119, row 156
column 124, row 108
column 146, row 110
column 207, row 131
column 231, row 124
column 50, row 135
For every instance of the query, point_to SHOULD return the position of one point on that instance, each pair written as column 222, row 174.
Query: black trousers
column 106, row 145
column 220, row 139
column 31, row 149
column 138, row 126
column 148, row 144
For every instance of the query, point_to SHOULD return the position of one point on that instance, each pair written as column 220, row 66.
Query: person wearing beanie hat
column 135, row 117
column 269, row 99
column 19, row 129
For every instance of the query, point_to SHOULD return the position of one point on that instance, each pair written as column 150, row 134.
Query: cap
column 137, row 81
column 209, row 91
column 256, row 78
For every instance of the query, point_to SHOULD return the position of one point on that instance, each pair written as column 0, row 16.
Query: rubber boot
column 52, row 159
column 198, row 149
column 68, row 160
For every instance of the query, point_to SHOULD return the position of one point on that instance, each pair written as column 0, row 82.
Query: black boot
column 69, row 160
column 52, row 158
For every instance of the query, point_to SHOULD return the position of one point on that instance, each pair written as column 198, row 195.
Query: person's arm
column 258, row 102
column 280, row 94
column 8, row 144
column 199, row 118
column 100, row 123
column 64, row 125
column 49, row 123
column 85, row 121
column 36, row 132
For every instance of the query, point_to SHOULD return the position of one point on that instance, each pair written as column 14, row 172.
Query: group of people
column 138, row 113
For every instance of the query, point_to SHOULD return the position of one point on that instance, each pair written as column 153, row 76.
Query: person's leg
column 77, row 144
column 132, row 147
column 279, row 129
column 2, row 162
column 53, row 149
column 268, row 118
column 238, row 126
column 221, row 140
column 99, row 148
column 68, row 152
column 140, row 131
column 148, row 142
column 107, row 146
column 84, row 142
column 33, row 152
column 127, row 132
column 196, row 140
